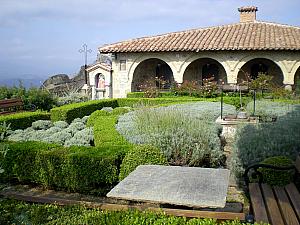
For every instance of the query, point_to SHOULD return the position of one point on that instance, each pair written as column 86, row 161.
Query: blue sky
column 39, row 38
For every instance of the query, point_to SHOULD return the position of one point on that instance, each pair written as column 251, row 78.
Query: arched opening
column 152, row 73
column 254, row 67
column 205, row 68
column 296, row 85
column 100, row 81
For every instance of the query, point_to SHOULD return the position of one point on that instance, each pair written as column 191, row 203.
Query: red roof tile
column 240, row 36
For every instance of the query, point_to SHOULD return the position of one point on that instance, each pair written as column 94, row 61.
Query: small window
column 122, row 65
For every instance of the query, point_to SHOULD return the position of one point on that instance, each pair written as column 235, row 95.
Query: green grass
column 17, row 212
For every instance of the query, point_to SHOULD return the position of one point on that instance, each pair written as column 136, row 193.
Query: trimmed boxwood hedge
column 134, row 102
column 105, row 132
column 277, row 177
column 81, row 169
column 23, row 120
column 141, row 155
column 78, row 110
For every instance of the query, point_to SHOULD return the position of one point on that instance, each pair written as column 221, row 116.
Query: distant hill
column 16, row 81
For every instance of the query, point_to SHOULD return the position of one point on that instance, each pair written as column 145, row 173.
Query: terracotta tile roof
column 240, row 36
column 97, row 65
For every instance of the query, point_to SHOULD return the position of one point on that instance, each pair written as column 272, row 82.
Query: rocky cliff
column 61, row 84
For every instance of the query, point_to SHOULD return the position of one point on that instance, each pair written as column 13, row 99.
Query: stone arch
column 255, row 66
column 135, row 63
column 203, row 68
column 152, row 72
column 296, row 86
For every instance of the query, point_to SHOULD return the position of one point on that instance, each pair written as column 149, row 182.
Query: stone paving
column 187, row 186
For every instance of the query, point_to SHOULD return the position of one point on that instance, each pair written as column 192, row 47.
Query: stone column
column 93, row 92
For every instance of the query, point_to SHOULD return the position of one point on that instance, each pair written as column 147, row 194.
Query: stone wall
column 231, row 61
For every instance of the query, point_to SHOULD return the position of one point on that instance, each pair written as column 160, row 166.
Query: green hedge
column 142, row 94
column 16, row 212
column 141, row 155
column 105, row 132
column 277, row 177
column 78, row 110
column 81, row 169
column 24, row 119
column 135, row 102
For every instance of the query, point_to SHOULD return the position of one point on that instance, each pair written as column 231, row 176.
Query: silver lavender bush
column 186, row 133
column 59, row 132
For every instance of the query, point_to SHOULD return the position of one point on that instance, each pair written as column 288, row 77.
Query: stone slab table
column 187, row 186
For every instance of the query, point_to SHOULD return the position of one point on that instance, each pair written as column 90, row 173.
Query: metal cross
column 85, row 50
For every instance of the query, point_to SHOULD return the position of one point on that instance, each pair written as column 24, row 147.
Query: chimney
column 247, row 14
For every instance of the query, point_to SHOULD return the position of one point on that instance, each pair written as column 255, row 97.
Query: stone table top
column 188, row 186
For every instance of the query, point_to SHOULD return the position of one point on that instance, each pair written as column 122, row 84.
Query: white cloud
column 47, row 33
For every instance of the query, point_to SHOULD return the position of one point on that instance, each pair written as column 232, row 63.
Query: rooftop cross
column 85, row 50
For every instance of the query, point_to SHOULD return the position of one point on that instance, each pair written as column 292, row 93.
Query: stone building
column 227, row 52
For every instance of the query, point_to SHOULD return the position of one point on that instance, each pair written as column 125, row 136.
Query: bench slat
column 11, row 104
column 10, row 100
column 258, row 204
column 272, row 207
column 294, row 196
column 287, row 211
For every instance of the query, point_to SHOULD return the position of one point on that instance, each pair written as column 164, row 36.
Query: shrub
column 77, row 125
column 83, row 137
column 24, row 119
column 255, row 143
column 105, row 132
column 121, row 110
column 60, row 124
column 72, row 96
column 42, row 99
column 81, row 169
column 236, row 101
column 4, row 130
column 175, row 130
column 42, row 125
column 133, row 102
column 277, row 177
column 3, row 151
column 141, row 155
column 19, row 161
column 135, row 95
column 107, row 109
column 267, row 109
column 78, row 110
column 95, row 115
column 61, row 138
column 193, row 88
column 74, row 134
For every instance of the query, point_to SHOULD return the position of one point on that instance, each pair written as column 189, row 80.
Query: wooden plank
column 297, row 163
column 4, row 101
column 294, row 196
column 257, row 202
column 119, row 207
column 271, row 204
column 12, row 104
column 286, row 209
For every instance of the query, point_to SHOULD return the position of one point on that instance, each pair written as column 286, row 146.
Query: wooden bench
column 274, row 205
column 8, row 106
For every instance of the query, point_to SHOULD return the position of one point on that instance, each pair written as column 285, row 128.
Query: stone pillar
column 93, row 92
column 231, row 77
